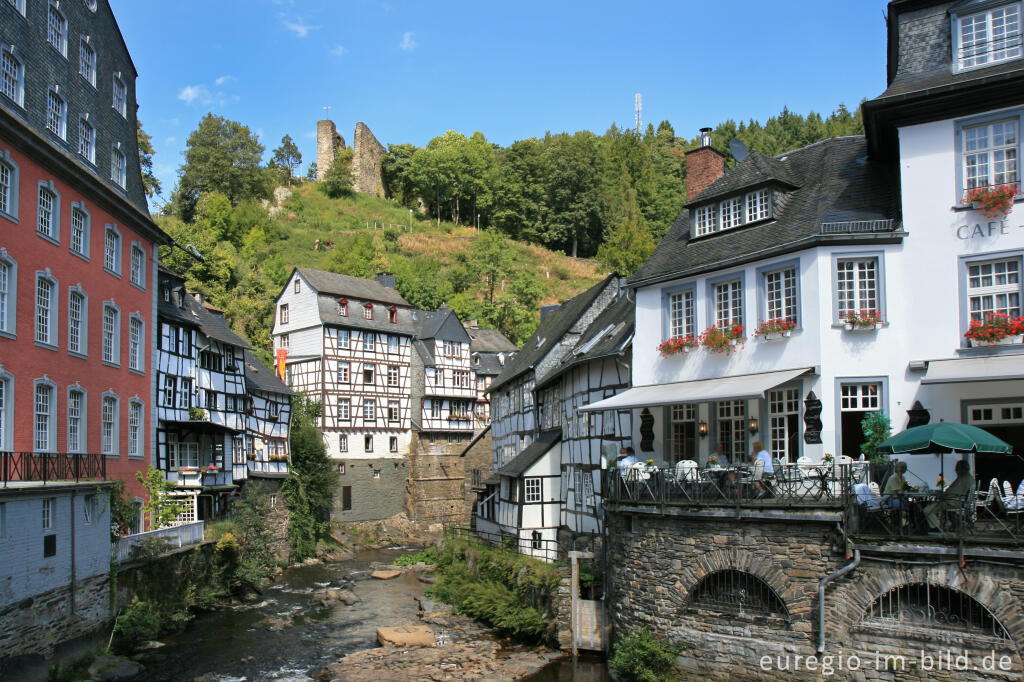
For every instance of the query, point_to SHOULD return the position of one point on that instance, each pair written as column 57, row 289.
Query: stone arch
column 761, row 566
column 855, row 600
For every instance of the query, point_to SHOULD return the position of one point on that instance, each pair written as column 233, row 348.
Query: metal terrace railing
column 51, row 466
column 857, row 226
column 183, row 535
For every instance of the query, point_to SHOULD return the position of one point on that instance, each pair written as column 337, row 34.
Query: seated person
column 760, row 454
column 627, row 457
column 720, row 456
column 895, row 486
column 952, row 497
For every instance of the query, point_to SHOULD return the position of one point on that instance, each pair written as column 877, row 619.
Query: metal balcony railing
column 51, row 466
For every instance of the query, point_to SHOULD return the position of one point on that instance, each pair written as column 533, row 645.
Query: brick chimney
column 704, row 165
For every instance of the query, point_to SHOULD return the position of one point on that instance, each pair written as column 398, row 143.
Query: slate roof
column 355, row 287
column 489, row 365
column 614, row 327
column 836, row 183
column 489, row 340
column 756, row 169
column 258, row 377
column 212, row 324
column 551, row 329
column 405, row 323
column 426, row 351
column 531, row 453
column 908, row 83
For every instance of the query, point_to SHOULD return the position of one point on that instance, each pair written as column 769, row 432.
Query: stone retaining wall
column 656, row 562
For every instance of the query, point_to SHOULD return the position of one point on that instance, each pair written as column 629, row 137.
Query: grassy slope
column 310, row 215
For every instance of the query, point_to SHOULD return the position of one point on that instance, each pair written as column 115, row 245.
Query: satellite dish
column 738, row 149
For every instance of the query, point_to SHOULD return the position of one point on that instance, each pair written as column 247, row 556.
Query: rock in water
column 406, row 635
column 385, row 575
column 113, row 668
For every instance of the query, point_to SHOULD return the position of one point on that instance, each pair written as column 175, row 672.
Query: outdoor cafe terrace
column 827, row 492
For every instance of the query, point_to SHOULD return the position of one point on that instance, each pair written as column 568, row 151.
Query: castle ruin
column 367, row 155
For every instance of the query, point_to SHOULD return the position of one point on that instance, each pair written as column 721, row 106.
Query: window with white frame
column 282, row 313
column 120, row 96
column 137, row 268
column 89, row 509
column 111, row 335
column 684, row 432
column 76, row 322
column 368, row 372
column 12, row 77
column 707, row 220
column 393, row 344
column 344, row 409
column 682, row 318
column 369, row 341
column 392, row 375
column 343, row 373
column 435, row 409
column 393, row 444
column 57, row 30
column 18, row 5
column 856, row 286
column 343, row 308
column 784, row 423
column 451, row 349
column 759, row 205
column 167, row 394
column 988, row 37
column 283, row 341
column 184, row 393
column 732, row 212
column 76, row 415
column 135, row 429
column 460, row 378
column 46, row 310
column 181, row 454
column 857, row 398
column 994, row 287
column 7, row 198
column 393, row 411
column 344, row 337
column 79, row 231
column 367, row 443
column 6, row 409
column 56, row 114
column 118, row 167
column 136, row 348
column 342, row 447
column 49, row 512
column 45, row 414
column 370, row 409
column 112, row 250
column 86, row 141
column 732, row 429
column 533, row 489
column 368, row 311
column 7, row 296
column 990, row 153
column 46, row 217
column 729, row 303
column 780, row 288
column 87, row 61
column 108, row 425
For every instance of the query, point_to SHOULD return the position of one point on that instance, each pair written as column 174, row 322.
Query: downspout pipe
column 821, row 595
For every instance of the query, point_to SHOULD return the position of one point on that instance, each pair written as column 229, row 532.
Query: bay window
column 987, row 37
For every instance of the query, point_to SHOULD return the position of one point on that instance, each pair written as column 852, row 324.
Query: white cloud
column 191, row 93
column 298, row 27
column 339, row 51
column 171, row 140
column 224, row 79
column 407, row 42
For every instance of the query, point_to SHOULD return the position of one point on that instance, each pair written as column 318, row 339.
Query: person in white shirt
column 627, row 457
column 759, row 453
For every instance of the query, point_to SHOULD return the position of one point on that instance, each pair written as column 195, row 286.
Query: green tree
column 161, row 507
column 309, row 490
column 338, row 179
column 287, row 155
column 122, row 511
column 627, row 247
column 213, row 213
column 150, row 183
column 311, row 173
column 515, row 313
column 396, row 172
column 252, row 532
column 220, row 156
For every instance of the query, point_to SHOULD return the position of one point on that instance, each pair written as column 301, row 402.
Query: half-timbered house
column 489, row 349
column 267, row 421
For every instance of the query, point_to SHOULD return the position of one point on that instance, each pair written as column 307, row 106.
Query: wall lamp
column 702, row 429
column 753, row 425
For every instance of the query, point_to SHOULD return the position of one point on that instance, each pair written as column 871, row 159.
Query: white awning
column 988, row 368
column 703, row 390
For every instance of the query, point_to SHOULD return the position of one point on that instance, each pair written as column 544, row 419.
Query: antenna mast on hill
column 639, row 119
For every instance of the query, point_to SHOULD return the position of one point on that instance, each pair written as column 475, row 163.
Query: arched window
column 934, row 606
column 737, row 592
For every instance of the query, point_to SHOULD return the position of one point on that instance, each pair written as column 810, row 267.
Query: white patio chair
column 1009, row 499
column 875, row 490
column 686, row 471
column 984, row 500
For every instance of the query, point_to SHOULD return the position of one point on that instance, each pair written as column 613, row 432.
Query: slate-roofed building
column 489, row 349
column 78, row 249
column 268, row 420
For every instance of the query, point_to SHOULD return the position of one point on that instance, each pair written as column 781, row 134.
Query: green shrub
column 642, row 657
column 140, row 622
column 426, row 556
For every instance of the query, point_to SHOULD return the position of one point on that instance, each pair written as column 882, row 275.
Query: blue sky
column 514, row 69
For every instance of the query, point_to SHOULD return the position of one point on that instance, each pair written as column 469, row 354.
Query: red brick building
column 78, row 261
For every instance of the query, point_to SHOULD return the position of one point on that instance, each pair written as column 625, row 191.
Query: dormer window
column 392, row 315
column 733, row 212
column 343, row 307
column 987, row 37
column 368, row 311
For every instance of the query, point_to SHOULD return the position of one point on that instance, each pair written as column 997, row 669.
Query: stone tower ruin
column 328, row 142
column 367, row 155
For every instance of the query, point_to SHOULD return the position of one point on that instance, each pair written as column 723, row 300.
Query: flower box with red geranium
column 863, row 320
column 776, row 328
column 677, row 345
column 995, row 329
column 721, row 339
column 992, row 201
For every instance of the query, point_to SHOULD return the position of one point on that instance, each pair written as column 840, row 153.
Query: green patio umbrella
column 942, row 437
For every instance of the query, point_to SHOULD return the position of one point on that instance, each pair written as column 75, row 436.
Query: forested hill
column 609, row 197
